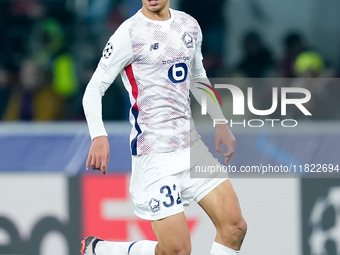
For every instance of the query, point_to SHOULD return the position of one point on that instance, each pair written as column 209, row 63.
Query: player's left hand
column 225, row 136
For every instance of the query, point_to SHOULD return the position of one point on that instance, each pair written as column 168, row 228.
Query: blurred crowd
column 50, row 48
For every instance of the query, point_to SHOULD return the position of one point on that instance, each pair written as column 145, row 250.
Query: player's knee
column 242, row 228
column 183, row 249
column 234, row 231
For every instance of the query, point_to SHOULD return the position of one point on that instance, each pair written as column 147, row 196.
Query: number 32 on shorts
column 168, row 192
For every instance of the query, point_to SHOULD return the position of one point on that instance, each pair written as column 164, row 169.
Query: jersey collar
column 172, row 16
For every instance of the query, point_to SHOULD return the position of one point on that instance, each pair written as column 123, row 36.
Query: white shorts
column 161, row 185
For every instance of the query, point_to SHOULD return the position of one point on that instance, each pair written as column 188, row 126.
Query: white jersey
column 157, row 60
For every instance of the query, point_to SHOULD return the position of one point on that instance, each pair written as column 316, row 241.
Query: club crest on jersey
column 108, row 50
column 154, row 205
column 188, row 41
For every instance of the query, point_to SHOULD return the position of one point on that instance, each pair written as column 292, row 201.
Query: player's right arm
column 116, row 56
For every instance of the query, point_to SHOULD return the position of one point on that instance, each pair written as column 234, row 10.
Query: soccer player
column 158, row 54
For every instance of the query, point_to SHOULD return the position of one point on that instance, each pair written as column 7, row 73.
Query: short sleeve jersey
column 156, row 60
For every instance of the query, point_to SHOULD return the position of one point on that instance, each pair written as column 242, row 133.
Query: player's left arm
column 198, row 78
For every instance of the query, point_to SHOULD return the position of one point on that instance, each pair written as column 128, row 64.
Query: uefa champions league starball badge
column 108, row 50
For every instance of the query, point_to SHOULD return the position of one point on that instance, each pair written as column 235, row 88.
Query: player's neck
column 163, row 14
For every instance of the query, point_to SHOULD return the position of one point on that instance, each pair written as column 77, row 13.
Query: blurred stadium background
column 48, row 52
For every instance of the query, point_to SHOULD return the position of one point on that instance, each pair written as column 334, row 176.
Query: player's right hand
column 99, row 154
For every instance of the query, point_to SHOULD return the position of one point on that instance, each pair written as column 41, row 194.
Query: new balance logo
column 154, row 46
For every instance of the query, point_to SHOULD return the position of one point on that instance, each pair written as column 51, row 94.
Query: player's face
column 156, row 8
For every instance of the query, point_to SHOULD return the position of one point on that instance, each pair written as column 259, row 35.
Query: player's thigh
column 172, row 234
column 222, row 206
